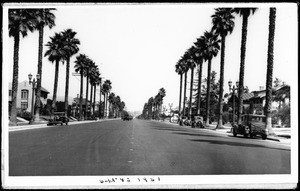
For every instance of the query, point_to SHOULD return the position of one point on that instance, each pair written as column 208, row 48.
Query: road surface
column 140, row 147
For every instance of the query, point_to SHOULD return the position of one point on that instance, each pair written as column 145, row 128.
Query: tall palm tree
column 93, row 80
column 71, row 46
column 211, row 50
column 20, row 21
column 87, row 72
column 43, row 18
column 180, row 71
column 191, row 65
column 245, row 13
column 55, row 53
column 106, row 89
column 199, row 57
column 161, row 95
column 223, row 24
column 268, row 105
column 100, row 107
column 80, row 65
column 96, row 83
column 186, row 69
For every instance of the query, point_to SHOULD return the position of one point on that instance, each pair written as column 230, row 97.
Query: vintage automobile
column 198, row 122
column 58, row 118
column 186, row 121
column 251, row 125
column 127, row 117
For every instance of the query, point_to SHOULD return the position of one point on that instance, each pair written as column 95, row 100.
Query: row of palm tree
column 207, row 47
column 152, row 109
column 22, row 21
column 61, row 47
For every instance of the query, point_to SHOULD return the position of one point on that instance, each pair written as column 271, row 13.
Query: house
column 256, row 100
column 24, row 96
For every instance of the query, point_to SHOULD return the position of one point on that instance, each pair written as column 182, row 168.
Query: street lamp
column 233, row 88
column 33, row 83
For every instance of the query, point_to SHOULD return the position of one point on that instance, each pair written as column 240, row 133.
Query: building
column 256, row 100
column 24, row 96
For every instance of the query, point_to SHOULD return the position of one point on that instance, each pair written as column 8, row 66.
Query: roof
column 42, row 88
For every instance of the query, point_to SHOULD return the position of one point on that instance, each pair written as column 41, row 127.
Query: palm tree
column 80, row 65
column 179, row 69
column 96, row 83
column 43, row 17
column 211, row 49
column 71, row 47
column 87, row 72
column 191, row 65
column 186, row 69
column 93, row 80
column 222, row 24
column 20, row 21
column 106, row 89
column 268, row 105
column 112, row 102
column 199, row 57
column 55, row 53
column 245, row 13
column 100, row 86
column 161, row 95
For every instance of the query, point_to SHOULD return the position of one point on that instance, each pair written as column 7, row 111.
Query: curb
column 44, row 125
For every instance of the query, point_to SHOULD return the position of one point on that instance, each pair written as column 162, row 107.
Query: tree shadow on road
column 230, row 143
column 197, row 134
column 168, row 129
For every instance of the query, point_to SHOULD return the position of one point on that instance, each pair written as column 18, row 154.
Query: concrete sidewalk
column 44, row 125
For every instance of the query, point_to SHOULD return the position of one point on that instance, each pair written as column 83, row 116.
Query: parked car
column 251, row 125
column 174, row 118
column 58, row 118
column 186, row 121
column 198, row 122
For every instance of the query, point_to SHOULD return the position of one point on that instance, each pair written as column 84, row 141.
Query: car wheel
column 264, row 137
column 66, row 123
column 251, row 135
column 234, row 133
column 245, row 135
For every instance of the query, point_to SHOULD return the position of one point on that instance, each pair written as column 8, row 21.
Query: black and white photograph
column 149, row 96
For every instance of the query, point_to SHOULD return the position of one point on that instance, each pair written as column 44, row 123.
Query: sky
column 136, row 46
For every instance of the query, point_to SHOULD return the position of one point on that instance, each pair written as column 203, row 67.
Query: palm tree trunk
column 199, row 88
column 191, row 91
column 91, row 100
column 94, row 99
column 86, row 97
column 13, row 114
column 220, row 121
column 184, row 92
column 104, row 102
column 39, row 81
column 67, row 86
column 106, row 106
column 81, row 92
column 208, row 93
column 55, row 86
column 100, row 101
column 242, row 68
column 269, row 79
column 180, row 92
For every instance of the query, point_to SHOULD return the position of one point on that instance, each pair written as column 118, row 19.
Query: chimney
column 261, row 88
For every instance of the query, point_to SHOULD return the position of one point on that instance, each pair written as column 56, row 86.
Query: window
column 24, row 105
column 24, row 94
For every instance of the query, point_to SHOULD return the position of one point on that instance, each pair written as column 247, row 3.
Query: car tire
column 251, row 135
column 234, row 133
column 264, row 137
column 245, row 135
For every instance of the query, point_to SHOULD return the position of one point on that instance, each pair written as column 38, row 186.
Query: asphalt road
column 140, row 147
